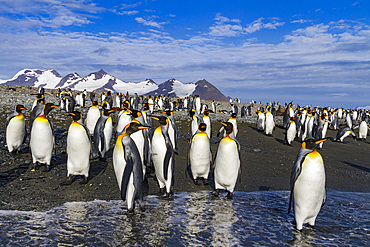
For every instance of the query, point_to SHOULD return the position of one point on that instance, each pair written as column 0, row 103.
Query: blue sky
column 311, row 52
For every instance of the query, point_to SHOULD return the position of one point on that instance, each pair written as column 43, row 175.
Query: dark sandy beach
column 266, row 163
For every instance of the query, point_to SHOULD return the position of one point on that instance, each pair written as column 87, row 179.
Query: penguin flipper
column 126, row 177
column 166, row 161
column 10, row 118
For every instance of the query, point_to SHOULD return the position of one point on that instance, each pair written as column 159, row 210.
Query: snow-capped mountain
column 174, row 88
column 101, row 81
column 35, row 78
column 68, row 80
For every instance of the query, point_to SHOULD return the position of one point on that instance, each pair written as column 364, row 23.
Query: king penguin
column 15, row 129
column 163, row 156
column 78, row 149
column 343, row 133
column 195, row 121
column 42, row 138
column 307, row 184
column 172, row 130
column 207, row 121
column 290, row 132
column 128, row 167
column 93, row 114
column 199, row 157
column 363, row 129
column 269, row 122
column 102, row 134
column 227, row 162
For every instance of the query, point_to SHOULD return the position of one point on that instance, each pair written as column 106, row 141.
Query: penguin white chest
column 309, row 190
column 92, row 117
column 199, row 155
column 42, row 141
column 108, row 128
column 227, row 165
column 78, row 150
column 15, row 132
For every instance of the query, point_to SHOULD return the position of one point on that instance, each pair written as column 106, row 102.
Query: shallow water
column 191, row 219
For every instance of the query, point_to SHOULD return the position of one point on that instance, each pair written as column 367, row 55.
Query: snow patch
column 182, row 90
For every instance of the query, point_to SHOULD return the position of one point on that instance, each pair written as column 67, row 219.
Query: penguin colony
column 141, row 149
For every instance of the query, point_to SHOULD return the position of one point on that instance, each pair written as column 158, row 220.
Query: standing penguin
column 172, row 131
column 195, row 121
column 78, row 149
column 207, row 121
column 15, row 129
column 363, row 129
column 102, row 134
column 227, row 162
column 290, row 132
column 93, row 114
column 128, row 167
column 269, row 122
column 261, row 120
column 307, row 184
column 42, row 138
column 199, row 156
column 163, row 156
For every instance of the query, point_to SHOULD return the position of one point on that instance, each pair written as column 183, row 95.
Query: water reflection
column 190, row 219
column 224, row 217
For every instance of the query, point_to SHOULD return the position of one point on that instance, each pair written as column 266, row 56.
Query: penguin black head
column 48, row 107
column 233, row 115
column 95, row 103
column 168, row 112
column 228, row 127
column 38, row 95
column 146, row 106
column 135, row 113
column 133, row 127
column 76, row 115
column 202, row 127
column 106, row 112
column 19, row 108
column 312, row 144
column 206, row 112
column 161, row 119
column 192, row 112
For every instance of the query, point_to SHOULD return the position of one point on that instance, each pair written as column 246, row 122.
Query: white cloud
column 150, row 22
column 225, row 27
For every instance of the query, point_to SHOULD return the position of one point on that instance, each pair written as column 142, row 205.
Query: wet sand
column 266, row 164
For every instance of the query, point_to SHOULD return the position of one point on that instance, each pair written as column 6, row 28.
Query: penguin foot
column 216, row 193
column 130, row 210
column 67, row 182
column 170, row 195
column 141, row 206
column 229, row 195
column 84, row 181
column 47, row 168
column 205, row 182
column 162, row 191
column 196, row 181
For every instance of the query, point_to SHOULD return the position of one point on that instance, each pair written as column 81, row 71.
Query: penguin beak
column 224, row 124
column 320, row 141
column 53, row 106
column 71, row 113
column 143, row 127
column 110, row 111
column 155, row 118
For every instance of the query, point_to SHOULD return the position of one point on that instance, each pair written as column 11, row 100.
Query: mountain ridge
column 101, row 81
